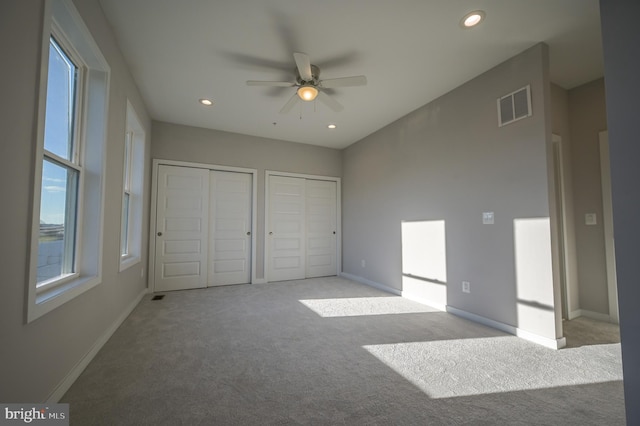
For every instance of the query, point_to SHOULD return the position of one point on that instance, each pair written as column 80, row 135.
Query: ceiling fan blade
column 358, row 80
column 304, row 66
column 270, row 83
column 290, row 104
column 330, row 102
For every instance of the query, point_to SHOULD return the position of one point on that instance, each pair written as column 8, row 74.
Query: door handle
column 159, row 234
column 248, row 232
column 270, row 233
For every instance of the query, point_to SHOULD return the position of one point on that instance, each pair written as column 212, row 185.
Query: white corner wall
column 449, row 161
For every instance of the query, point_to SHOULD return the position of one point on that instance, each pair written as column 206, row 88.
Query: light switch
column 590, row 219
column 487, row 218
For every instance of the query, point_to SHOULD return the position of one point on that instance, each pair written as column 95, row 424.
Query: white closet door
column 321, row 217
column 182, row 220
column 286, row 228
column 230, row 247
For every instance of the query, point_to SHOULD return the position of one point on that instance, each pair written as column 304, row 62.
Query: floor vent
column 514, row 106
column 158, row 297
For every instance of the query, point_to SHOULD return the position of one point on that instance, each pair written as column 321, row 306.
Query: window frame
column 74, row 161
column 125, row 228
column 133, row 186
column 63, row 23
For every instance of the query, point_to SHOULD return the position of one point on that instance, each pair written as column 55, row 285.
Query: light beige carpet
column 334, row 352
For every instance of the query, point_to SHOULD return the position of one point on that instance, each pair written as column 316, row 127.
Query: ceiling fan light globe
column 307, row 93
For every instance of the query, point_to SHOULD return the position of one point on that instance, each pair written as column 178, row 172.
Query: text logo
column 36, row 414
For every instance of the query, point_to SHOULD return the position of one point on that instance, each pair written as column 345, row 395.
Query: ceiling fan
column 309, row 86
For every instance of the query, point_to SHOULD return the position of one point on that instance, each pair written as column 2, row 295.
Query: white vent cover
column 514, row 106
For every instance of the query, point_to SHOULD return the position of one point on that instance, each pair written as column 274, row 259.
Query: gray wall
column 588, row 117
column 621, row 38
column 450, row 161
column 197, row 145
column 36, row 357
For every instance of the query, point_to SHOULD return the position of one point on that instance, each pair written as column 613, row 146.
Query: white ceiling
column 412, row 51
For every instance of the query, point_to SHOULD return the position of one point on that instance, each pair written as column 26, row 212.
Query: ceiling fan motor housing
column 315, row 74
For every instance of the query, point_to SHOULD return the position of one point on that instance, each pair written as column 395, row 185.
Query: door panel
column 231, row 228
column 286, row 228
column 181, row 228
column 321, row 218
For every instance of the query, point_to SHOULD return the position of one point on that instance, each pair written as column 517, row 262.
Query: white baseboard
column 370, row 283
column 592, row 315
column 62, row 387
column 395, row 291
column 527, row 335
column 574, row 314
column 424, row 301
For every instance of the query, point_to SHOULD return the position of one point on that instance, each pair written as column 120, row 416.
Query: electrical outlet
column 363, row 263
column 466, row 287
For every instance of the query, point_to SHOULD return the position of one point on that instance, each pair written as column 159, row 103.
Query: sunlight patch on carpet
column 451, row 368
column 359, row 306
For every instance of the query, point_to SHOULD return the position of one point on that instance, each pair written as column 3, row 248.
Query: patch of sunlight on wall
column 534, row 276
column 464, row 367
column 360, row 306
column 424, row 262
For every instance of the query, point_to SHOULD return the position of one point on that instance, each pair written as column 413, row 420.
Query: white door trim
column 565, row 267
column 154, row 207
column 268, row 174
column 607, row 221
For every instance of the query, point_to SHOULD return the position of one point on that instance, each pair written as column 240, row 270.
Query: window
column 68, row 194
column 132, row 189
column 125, row 245
column 61, row 171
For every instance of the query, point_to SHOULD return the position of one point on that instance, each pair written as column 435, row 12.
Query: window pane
column 124, row 237
column 127, row 161
column 60, row 109
column 58, row 207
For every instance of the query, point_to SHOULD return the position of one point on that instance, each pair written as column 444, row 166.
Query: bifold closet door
column 286, row 228
column 302, row 228
column 230, row 225
column 182, row 219
column 321, row 223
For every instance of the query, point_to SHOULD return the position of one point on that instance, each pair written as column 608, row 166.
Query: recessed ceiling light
column 332, row 126
column 206, row 102
column 472, row 19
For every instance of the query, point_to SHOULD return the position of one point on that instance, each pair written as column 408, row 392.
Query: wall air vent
column 514, row 106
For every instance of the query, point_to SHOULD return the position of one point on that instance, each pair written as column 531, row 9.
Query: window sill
column 127, row 262
column 51, row 298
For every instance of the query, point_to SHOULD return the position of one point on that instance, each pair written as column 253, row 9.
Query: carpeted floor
column 333, row 352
